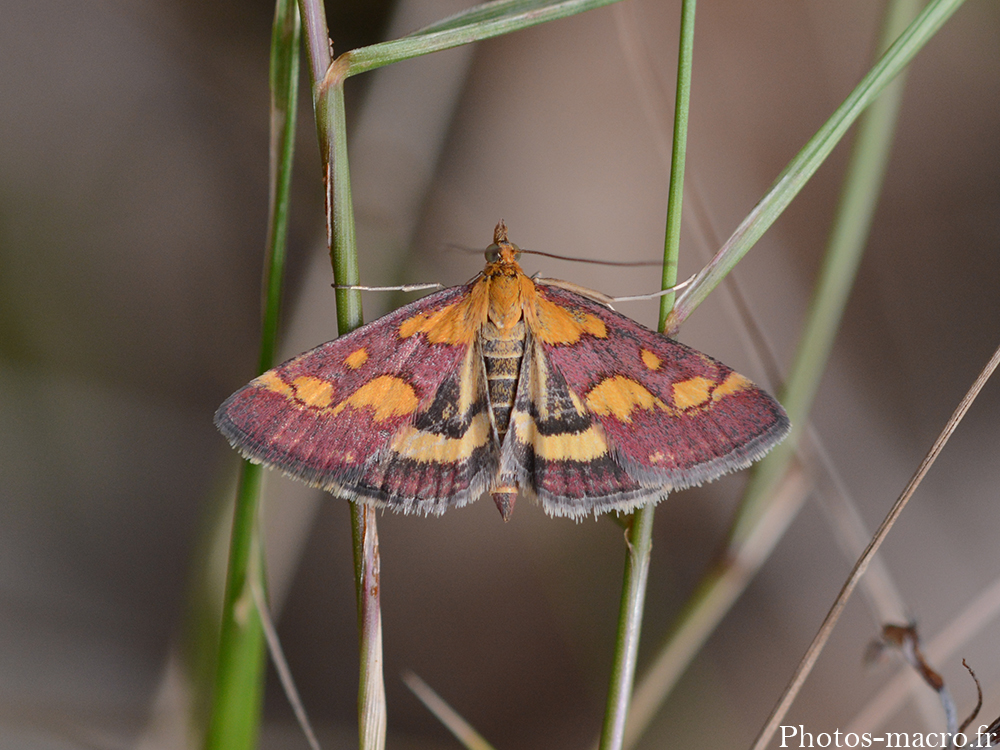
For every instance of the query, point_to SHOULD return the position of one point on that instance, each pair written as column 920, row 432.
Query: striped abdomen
column 503, row 351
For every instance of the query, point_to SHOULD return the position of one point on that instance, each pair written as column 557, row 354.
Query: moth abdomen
column 503, row 351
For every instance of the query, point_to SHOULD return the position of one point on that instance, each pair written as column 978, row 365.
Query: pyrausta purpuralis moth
column 500, row 385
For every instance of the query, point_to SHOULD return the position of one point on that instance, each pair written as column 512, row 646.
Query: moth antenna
column 603, row 298
column 402, row 288
column 595, row 261
column 569, row 286
column 654, row 295
column 463, row 249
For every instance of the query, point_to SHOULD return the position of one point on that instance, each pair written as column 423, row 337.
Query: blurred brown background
column 133, row 196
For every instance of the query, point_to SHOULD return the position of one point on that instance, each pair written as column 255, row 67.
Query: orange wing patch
column 313, row 392
column 424, row 322
column 619, row 396
column 732, row 384
column 456, row 324
column 355, row 359
column 693, row 392
column 389, row 396
column 556, row 325
column 271, row 381
column 650, row 360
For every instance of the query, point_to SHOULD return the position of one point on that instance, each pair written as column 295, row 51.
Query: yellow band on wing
column 430, row 447
column 568, row 446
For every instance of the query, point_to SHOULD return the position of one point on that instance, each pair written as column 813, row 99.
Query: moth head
column 502, row 249
column 505, row 251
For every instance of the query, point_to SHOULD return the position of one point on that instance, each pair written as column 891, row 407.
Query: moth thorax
column 505, row 300
column 503, row 350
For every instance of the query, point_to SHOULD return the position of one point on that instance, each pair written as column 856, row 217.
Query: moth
column 504, row 384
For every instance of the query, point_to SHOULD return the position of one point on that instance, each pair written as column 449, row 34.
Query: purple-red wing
column 341, row 450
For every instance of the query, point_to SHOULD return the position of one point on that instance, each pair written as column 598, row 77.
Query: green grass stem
column 638, row 546
column 639, row 536
column 675, row 199
column 237, row 698
column 318, row 48
column 234, row 722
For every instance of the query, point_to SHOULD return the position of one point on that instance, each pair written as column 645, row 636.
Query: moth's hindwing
column 394, row 413
column 615, row 415
column 557, row 451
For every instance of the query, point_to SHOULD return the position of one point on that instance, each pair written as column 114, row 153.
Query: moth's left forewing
column 394, row 413
column 672, row 416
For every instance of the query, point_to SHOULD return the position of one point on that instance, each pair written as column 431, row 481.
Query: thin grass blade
column 761, row 524
column 481, row 22
column 964, row 625
column 845, row 248
column 455, row 723
column 807, row 161
column 281, row 665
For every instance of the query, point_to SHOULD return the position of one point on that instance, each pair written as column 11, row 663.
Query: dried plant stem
column 281, row 664
column 965, row 624
column 371, row 687
column 639, row 543
column 813, row 652
column 458, row 726
column 331, row 127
